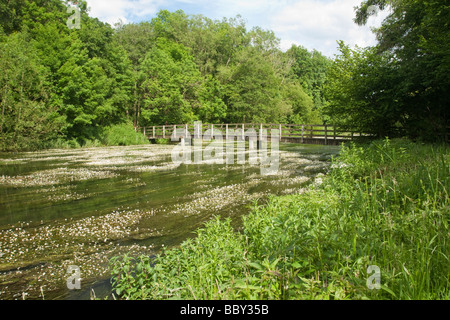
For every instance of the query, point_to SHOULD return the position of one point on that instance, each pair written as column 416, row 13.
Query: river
column 80, row 207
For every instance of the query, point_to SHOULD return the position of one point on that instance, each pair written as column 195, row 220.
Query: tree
column 361, row 91
column 301, row 104
column 171, row 85
column 417, row 34
column 26, row 121
column 90, row 74
column 310, row 68
column 251, row 89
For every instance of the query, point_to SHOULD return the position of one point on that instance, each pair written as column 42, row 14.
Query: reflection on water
column 81, row 207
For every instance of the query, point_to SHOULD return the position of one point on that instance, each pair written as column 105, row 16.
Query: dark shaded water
column 81, row 207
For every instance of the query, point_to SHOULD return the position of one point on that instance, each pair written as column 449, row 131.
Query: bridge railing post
column 302, row 132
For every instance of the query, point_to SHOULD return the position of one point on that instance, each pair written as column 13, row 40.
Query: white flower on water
column 318, row 181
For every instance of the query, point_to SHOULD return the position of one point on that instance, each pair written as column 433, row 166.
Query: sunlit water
column 81, row 207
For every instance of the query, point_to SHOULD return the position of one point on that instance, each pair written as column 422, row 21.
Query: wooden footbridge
column 294, row 133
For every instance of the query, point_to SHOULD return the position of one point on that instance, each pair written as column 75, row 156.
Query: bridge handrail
column 302, row 131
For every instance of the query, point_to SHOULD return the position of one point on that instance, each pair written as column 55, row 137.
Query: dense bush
column 122, row 135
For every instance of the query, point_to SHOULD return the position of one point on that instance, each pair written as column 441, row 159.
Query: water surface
column 82, row 207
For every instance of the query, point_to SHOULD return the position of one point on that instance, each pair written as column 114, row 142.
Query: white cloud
column 315, row 24
column 319, row 24
column 112, row 11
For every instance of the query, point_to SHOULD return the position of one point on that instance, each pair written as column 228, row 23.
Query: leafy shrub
column 162, row 141
column 122, row 135
column 201, row 268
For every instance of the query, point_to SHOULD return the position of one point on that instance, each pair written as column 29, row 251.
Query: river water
column 80, row 207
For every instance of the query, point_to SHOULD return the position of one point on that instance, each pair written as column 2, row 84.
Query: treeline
column 400, row 87
column 62, row 86
column 69, row 87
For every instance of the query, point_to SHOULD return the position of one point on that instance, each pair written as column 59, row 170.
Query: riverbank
column 375, row 227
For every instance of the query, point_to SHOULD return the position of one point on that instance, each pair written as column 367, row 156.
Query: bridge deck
column 306, row 134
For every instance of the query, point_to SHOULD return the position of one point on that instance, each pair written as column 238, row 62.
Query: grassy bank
column 383, row 204
column 122, row 134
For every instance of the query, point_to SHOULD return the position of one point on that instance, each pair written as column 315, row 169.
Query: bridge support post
column 302, row 132
column 260, row 132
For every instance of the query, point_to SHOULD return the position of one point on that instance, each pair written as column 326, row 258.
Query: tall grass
column 385, row 203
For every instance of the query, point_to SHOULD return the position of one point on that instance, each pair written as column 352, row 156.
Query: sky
column 314, row 24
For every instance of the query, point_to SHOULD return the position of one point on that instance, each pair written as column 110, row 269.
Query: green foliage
column 200, row 268
column 162, row 141
column 122, row 135
column 361, row 92
column 230, row 74
column 10, row 15
column 84, row 79
column 303, row 110
column 171, row 85
column 399, row 192
column 179, row 68
column 401, row 84
column 26, row 122
column 310, row 68
column 383, row 203
column 173, row 69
